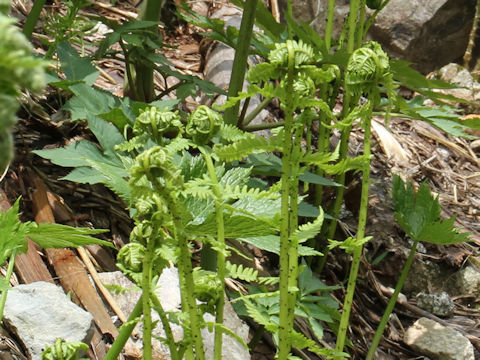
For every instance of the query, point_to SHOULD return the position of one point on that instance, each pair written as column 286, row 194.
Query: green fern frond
column 268, row 280
column 345, row 165
column 240, row 192
column 225, row 330
column 244, row 147
column 240, row 272
column 232, row 133
column 199, row 187
column 178, row 144
column 309, row 230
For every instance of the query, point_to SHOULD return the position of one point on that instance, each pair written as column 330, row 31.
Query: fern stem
column 352, row 19
column 241, row 56
column 329, row 26
column 371, row 19
column 357, row 254
column 361, row 23
column 157, row 306
column 8, row 276
column 467, row 57
column 32, row 18
column 391, row 303
column 249, row 118
column 147, row 291
column 286, row 311
column 187, row 285
column 125, row 331
column 220, row 254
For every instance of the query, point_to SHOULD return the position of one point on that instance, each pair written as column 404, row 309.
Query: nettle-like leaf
column 418, row 215
column 271, row 243
column 50, row 235
column 91, row 164
column 236, row 226
column 240, row 272
column 12, row 232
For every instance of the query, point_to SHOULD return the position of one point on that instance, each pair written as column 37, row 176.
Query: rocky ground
column 443, row 285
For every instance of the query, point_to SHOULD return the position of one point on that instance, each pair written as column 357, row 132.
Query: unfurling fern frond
column 240, row 272
column 231, row 133
column 244, row 147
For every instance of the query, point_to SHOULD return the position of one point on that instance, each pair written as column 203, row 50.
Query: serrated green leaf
column 75, row 67
column 49, row 235
column 418, row 214
column 107, row 135
column 236, row 226
column 12, row 232
column 271, row 243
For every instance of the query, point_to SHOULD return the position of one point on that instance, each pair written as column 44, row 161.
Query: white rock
column 40, row 312
column 437, row 341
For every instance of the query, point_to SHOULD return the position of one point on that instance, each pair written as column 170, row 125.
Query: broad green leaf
column 418, row 214
column 271, row 243
column 75, row 67
column 262, row 208
column 312, row 178
column 107, row 135
column 49, row 235
column 235, row 227
column 84, row 175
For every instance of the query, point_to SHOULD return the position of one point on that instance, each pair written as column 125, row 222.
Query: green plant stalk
column 371, row 19
column 221, row 267
column 32, row 18
column 142, row 74
column 357, row 254
column 125, row 331
column 186, row 272
column 329, row 26
column 391, row 304
column 240, row 61
column 467, row 57
column 249, row 118
column 147, row 291
column 352, row 19
column 157, row 306
column 264, row 126
column 8, row 276
column 286, row 312
column 187, row 285
column 361, row 23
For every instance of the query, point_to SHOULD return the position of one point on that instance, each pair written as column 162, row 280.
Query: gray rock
column 40, row 312
column 168, row 292
column 468, row 87
column 467, row 281
column 436, row 303
column 438, row 342
column 419, row 31
column 219, row 63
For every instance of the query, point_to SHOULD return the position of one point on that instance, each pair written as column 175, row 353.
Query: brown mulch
column 451, row 167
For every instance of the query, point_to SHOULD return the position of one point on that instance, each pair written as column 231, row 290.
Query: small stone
column 40, row 312
column 438, row 342
column 436, row 303
column 467, row 281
